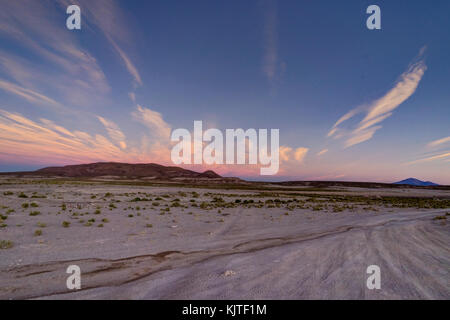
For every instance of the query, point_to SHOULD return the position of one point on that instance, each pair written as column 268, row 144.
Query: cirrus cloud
column 380, row 109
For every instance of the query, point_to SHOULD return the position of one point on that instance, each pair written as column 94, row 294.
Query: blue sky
column 114, row 90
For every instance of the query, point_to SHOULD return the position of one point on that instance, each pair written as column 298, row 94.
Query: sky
column 351, row 103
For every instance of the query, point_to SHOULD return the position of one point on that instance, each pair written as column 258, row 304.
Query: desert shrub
column 8, row 193
column 38, row 197
column 140, row 199
column 38, row 233
column 25, row 205
column 22, row 195
column 6, row 244
column 65, row 224
column 35, row 213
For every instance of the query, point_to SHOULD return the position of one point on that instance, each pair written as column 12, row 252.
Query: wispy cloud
column 132, row 96
column 288, row 154
column 54, row 63
column 432, row 158
column 284, row 153
column 114, row 132
column 380, row 109
column 47, row 142
column 27, row 94
column 154, row 121
column 107, row 16
column 129, row 65
column 27, row 139
column 300, row 154
column 156, row 140
column 270, row 38
column 438, row 142
column 322, row 152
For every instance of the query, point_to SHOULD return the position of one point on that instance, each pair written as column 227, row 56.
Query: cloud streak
column 107, row 16
column 438, row 142
column 55, row 64
column 432, row 158
column 154, row 121
column 380, row 109
column 114, row 132
column 27, row 94
column 270, row 38
column 54, row 61
column 128, row 64
column 45, row 142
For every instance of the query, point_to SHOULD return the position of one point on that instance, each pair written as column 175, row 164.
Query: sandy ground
column 146, row 251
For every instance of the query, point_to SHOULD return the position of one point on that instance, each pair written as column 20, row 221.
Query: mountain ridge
column 416, row 182
column 139, row 170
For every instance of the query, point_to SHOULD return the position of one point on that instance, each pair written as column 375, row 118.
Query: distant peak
column 139, row 170
column 416, row 182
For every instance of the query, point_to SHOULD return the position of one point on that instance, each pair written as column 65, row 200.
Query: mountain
column 416, row 182
column 147, row 170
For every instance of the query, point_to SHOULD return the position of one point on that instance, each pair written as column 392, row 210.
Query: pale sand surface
column 186, row 253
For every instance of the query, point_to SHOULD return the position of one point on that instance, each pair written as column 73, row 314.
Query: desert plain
column 148, row 240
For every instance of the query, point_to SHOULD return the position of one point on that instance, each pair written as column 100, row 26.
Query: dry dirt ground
column 161, row 242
